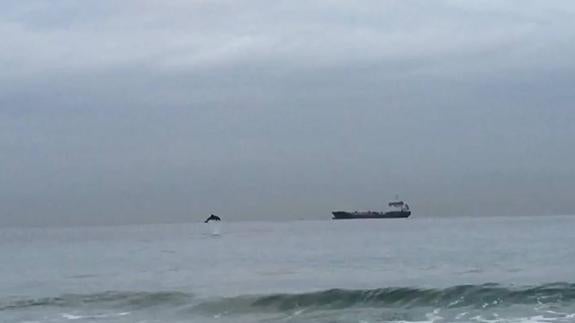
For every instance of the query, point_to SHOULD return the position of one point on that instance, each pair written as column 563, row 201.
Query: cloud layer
column 150, row 111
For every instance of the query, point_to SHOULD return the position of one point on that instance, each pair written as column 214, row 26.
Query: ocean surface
column 488, row 269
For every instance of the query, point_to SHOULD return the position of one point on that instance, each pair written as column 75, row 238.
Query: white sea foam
column 73, row 317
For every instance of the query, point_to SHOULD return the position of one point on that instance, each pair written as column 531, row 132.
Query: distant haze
column 166, row 111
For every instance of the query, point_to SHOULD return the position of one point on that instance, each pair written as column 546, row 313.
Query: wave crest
column 104, row 299
column 476, row 296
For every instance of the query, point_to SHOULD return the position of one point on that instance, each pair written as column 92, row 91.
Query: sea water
column 215, row 227
column 484, row 269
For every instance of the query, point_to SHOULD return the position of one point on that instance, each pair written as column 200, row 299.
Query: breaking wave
column 105, row 299
column 479, row 296
column 457, row 296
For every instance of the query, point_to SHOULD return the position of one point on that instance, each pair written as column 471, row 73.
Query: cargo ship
column 398, row 209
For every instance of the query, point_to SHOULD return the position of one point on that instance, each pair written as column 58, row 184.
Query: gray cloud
column 148, row 111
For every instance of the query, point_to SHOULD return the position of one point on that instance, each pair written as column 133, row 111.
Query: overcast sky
column 141, row 111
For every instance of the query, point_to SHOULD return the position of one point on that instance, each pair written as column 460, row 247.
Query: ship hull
column 342, row 215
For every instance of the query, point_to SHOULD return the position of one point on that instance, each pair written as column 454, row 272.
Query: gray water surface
column 503, row 269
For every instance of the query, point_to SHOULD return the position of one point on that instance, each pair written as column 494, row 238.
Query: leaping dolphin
column 212, row 218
